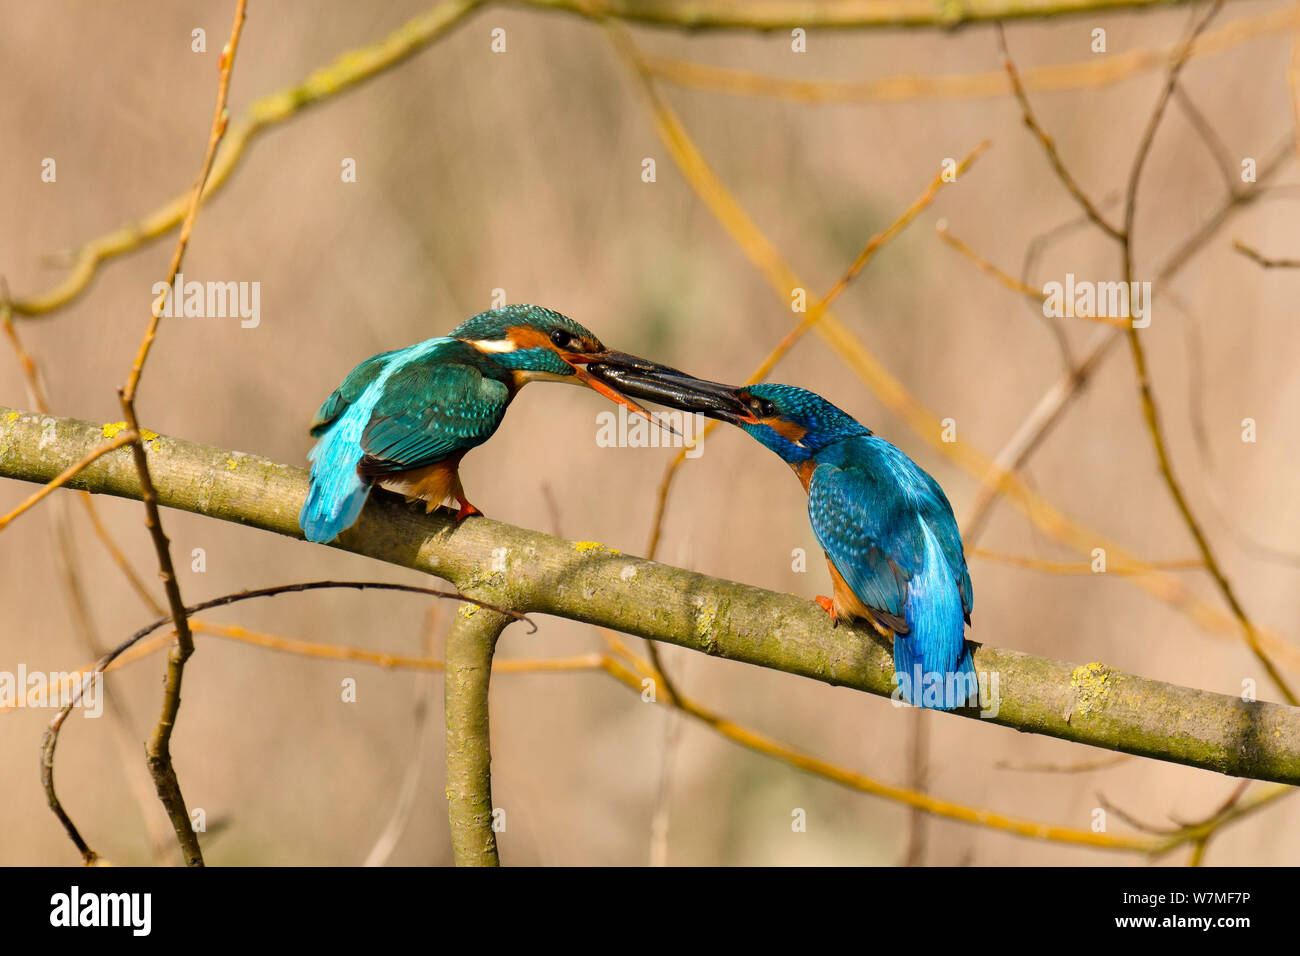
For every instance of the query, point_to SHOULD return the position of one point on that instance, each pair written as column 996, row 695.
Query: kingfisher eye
column 761, row 407
column 562, row 339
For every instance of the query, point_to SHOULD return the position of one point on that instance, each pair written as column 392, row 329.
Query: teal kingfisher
column 403, row 420
column 891, row 542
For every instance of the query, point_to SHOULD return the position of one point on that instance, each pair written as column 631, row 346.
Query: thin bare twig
column 1251, row 253
column 1049, row 146
column 1153, row 124
column 1051, row 406
column 50, row 741
column 1214, row 144
column 1034, row 250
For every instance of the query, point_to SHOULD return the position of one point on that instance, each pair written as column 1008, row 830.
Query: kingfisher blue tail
column 338, row 491
column 932, row 662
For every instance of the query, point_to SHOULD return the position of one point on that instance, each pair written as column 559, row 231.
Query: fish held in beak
column 599, row 371
column 668, row 386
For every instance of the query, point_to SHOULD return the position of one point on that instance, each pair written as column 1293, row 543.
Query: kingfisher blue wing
column 865, row 528
column 428, row 410
column 943, row 524
column 927, row 497
column 879, row 490
column 932, row 505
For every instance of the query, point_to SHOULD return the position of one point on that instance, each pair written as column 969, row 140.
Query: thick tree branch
column 587, row 582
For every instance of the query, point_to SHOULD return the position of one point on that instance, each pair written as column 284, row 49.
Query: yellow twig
column 1072, row 567
column 1011, row 282
column 874, row 244
column 335, row 652
column 988, row 268
column 158, row 747
column 1095, row 72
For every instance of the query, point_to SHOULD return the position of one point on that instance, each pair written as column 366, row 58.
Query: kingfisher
column 892, row 545
column 403, row 420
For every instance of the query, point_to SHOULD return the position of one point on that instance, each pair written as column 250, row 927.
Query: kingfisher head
column 535, row 344
column 793, row 422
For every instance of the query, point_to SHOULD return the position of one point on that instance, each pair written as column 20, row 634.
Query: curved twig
column 51, row 737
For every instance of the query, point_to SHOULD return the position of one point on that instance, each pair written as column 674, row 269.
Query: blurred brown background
column 522, row 171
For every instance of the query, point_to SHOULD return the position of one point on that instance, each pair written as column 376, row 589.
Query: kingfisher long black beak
column 668, row 386
column 597, row 371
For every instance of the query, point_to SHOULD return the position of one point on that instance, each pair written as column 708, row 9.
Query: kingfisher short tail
column 932, row 661
column 338, row 492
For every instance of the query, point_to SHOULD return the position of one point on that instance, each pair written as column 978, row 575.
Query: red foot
column 466, row 509
column 828, row 605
